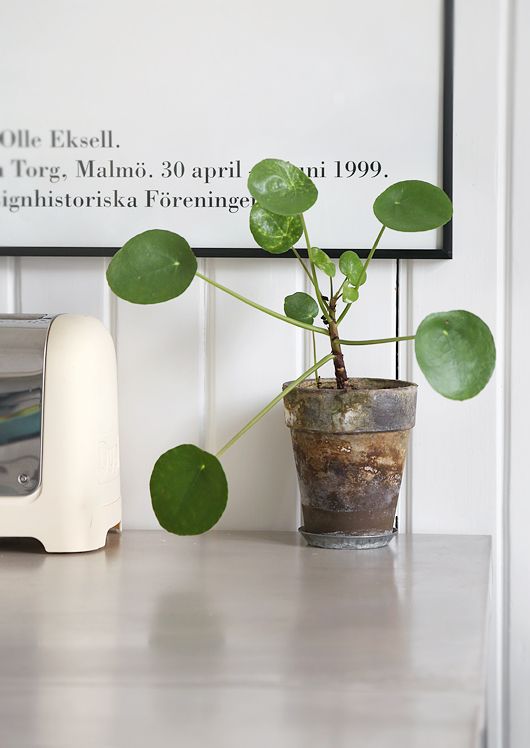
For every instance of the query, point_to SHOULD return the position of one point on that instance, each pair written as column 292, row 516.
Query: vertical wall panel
column 517, row 378
column 161, row 382
column 454, row 470
column 253, row 355
column 8, row 285
column 55, row 284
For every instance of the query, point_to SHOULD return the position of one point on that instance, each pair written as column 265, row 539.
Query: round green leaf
column 188, row 490
column 413, row 206
column 281, row 187
column 351, row 265
column 322, row 261
column 152, row 267
column 456, row 352
column 301, row 306
column 275, row 234
column 350, row 294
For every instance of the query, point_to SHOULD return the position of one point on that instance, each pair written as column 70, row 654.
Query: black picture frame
column 444, row 253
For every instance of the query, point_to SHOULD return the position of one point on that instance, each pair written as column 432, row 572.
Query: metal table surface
column 243, row 639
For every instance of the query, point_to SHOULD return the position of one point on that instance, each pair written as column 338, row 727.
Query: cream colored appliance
column 59, row 457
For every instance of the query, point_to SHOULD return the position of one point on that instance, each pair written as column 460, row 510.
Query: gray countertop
column 243, row 640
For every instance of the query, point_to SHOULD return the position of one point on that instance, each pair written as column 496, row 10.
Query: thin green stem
column 321, row 302
column 273, row 402
column 302, row 263
column 365, row 267
column 306, row 235
column 317, row 378
column 337, row 295
column 372, row 251
column 343, row 313
column 261, row 308
column 377, row 341
column 323, row 306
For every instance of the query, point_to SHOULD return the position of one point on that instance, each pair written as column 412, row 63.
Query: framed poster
column 121, row 115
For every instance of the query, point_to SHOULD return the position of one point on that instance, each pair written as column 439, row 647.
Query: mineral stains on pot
column 350, row 448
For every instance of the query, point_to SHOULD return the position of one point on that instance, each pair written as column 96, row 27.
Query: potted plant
column 349, row 434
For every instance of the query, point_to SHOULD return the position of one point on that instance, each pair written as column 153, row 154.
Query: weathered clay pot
column 350, row 448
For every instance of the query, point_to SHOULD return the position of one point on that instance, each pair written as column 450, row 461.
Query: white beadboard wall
column 197, row 368
column 516, row 571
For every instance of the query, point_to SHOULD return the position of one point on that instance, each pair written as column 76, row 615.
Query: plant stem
column 341, row 375
column 317, row 378
column 376, row 341
column 321, row 303
column 273, row 402
column 311, row 328
column 337, row 295
column 372, row 251
column 302, row 263
column 261, row 308
column 365, row 266
column 343, row 313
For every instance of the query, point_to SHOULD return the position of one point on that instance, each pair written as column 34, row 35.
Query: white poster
column 121, row 116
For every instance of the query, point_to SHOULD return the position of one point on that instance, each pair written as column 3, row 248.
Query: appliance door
column 22, row 360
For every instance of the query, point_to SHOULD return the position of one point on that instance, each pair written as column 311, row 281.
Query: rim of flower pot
column 358, row 384
column 368, row 405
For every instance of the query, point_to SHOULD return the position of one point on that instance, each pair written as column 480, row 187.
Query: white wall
column 517, row 509
column 196, row 369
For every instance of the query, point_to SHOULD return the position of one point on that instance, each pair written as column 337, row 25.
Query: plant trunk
column 338, row 359
column 341, row 375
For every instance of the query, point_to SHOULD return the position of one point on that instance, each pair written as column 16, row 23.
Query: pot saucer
column 347, row 542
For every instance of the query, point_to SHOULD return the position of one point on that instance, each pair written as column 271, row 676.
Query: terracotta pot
column 350, row 448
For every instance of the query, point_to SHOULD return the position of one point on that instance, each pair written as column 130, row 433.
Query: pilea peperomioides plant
column 455, row 350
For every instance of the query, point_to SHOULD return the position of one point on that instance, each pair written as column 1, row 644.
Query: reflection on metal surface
column 22, row 354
